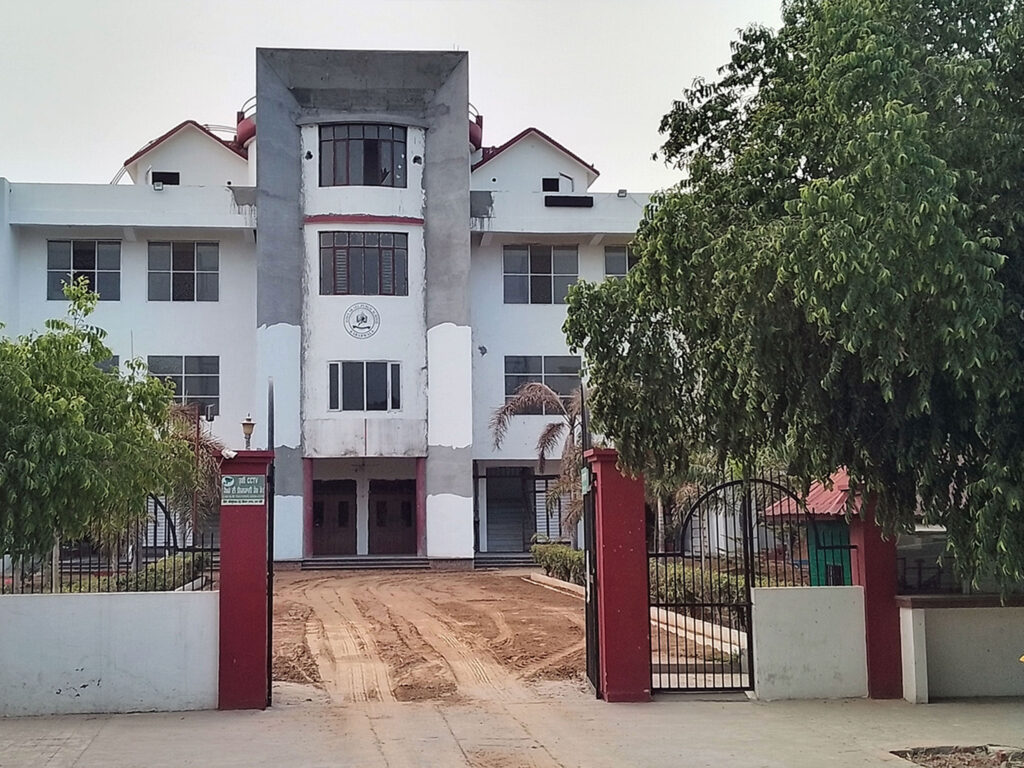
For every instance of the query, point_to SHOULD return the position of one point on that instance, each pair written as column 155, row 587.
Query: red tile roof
column 231, row 145
column 821, row 501
column 491, row 152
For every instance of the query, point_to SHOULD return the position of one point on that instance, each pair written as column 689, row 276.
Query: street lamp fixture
column 247, row 427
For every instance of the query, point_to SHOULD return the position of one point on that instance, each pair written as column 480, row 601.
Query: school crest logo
column 362, row 321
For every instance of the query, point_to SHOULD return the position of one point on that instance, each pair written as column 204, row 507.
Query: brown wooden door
column 334, row 517
column 392, row 523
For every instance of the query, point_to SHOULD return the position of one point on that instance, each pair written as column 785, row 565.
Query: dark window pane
column 396, row 386
column 183, row 256
column 399, row 134
column 355, row 131
column 513, row 383
column 375, row 171
column 355, row 162
column 352, row 387
column 516, row 260
column 540, row 259
column 58, row 254
column 615, row 261
column 207, row 405
column 540, row 289
column 183, row 286
column 333, row 386
column 523, row 364
column 326, row 132
column 201, row 385
column 326, row 239
column 160, row 256
column 327, row 164
column 159, row 286
column 401, row 240
column 83, row 255
column 561, row 289
column 566, row 261
column 371, row 272
column 561, row 364
column 55, row 282
column 370, row 131
column 376, row 386
column 563, row 385
column 90, row 278
column 202, row 364
column 109, row 364
column 371, row 238
column 517, row 289
column 207, row 257
column 108, row 285
column 549, row 184
column 164, row 364
column 387, row 239
column 108, row 255
column 341, row 238
column 326, row 272
column 207, row 286
column 355, row 238
column 355, row 271
column 401, row 273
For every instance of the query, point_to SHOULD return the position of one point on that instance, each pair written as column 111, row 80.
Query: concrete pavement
column 563, row 726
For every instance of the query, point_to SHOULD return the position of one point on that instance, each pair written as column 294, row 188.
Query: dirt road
column 399, row 636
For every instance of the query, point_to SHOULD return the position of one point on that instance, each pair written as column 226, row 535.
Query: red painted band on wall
column 361, row 218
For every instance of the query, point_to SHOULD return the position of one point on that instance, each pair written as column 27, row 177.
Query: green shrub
column 164, row 575
column 560, row 562
column 674, row 585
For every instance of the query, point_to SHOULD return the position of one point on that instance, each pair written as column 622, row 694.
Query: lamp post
column 247, row 427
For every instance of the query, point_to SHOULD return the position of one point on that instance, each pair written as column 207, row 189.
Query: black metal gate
column 731, row 535
column 590, row 554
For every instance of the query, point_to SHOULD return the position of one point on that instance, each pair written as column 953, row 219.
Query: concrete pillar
column 307, row 507
column 421, row 506
column 362, row 512
column 914, row 655
column 876, row 573
column 623, row 612
column 244, row 652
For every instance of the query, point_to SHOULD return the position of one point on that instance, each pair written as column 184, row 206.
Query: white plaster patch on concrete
column 279, row 357
column 287, row 528
column 809, row 643
column 914, row 655
column 450, row 380
column 449, row 525
column 127, row 652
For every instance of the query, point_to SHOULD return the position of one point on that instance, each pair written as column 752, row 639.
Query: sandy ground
column 451, row 637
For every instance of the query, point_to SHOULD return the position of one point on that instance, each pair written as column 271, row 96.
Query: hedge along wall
column 127, row 652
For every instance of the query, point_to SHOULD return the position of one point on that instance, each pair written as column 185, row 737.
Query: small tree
column 80, row 448
column 533, row 398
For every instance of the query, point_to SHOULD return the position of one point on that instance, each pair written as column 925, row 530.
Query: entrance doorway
column 334, row 517
column 392, row 520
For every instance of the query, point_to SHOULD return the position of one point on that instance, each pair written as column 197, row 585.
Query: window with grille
column 539, row 274
column 196, row 379
column 364, row 264
column 619, row 260
column 98, row 261
column 560, row 372
column 184, row 271
column 362, row 154
column 364, row 386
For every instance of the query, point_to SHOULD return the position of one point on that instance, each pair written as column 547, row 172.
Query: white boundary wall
column 960, row 652
column 127, row 652
column 809, row 643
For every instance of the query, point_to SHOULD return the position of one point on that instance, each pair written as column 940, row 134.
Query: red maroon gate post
column 243, row 581
column 623, row 615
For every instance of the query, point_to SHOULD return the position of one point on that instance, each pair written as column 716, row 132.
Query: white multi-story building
column 356, row 244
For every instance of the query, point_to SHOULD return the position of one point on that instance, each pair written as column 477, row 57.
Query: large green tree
column 80, row 448
column 838, row 278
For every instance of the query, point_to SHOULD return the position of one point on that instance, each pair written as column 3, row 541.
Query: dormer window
column 167, row 178
column 362, row 154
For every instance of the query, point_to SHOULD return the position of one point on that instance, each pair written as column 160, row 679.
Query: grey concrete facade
column 424, row 89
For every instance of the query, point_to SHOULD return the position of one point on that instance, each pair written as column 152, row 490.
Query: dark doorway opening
column 334, row 517
column 392, row 523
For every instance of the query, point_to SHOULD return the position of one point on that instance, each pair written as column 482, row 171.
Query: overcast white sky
column 83, row 84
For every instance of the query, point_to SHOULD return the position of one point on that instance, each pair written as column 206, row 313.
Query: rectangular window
column 98, row 261
column 196, row 379
column 169, row 178
column 184, row 271
column 539, row 274
column 362, row 155
column 619, row 260
column 364, row 264
column 560, row 372
column 110, row 364
column 364, row 386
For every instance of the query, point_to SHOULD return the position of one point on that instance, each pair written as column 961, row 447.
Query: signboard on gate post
column 243, row 490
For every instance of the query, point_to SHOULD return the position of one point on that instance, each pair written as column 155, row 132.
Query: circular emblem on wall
column 362, row 321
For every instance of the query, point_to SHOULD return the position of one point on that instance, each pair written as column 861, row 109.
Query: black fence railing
column 164, row 552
